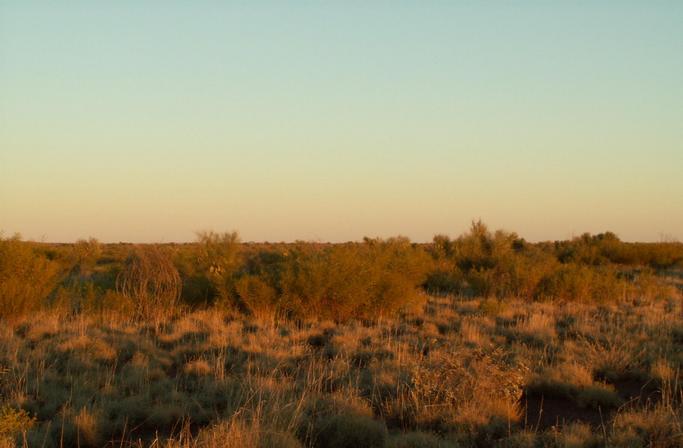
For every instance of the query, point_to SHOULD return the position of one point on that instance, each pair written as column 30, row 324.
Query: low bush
column 577, row 283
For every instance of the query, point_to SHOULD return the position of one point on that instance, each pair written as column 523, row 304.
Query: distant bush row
column 588, row 268
column 361, row 280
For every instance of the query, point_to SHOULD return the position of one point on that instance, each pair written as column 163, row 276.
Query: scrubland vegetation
column 475, row 341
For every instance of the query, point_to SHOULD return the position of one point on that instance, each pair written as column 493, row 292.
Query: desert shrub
column 477, row 249
column 197, row 287
column 218, row 260
column 26, row 277
column 352, row 280
column 573, row 282
column 150, row 279
column 401, row 268
column 85, row 254
column 588, row 249
column 259, row 298
column 488, row 264
column 14, row 423
column 445, row 280
column 521, row 271
column 304, row 282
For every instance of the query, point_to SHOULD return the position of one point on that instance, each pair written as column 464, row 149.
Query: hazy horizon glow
column 320, row 121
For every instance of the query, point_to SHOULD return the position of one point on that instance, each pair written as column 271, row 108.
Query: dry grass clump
column 198, row 367
column 87, row 428
column 563, row 380
column 236, row 433
column 446, row 391
column 341, row 422
column 658, row 426
column 92, row 348
column 578, row 435
column 537, row 328
column 665, row 374
column 472, row 334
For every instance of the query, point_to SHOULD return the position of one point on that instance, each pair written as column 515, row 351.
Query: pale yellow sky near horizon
column 287, row 121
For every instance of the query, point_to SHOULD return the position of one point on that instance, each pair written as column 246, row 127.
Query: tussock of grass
column 419, row 440
column 658, row 426
column 198, row 367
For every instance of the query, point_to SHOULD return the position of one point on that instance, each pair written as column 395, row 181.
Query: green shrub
column 352, row 280
column 573, row 282
column 26, row 277
column 218, row 259
column 482, row 263
column 259, row 298
column 445, row 280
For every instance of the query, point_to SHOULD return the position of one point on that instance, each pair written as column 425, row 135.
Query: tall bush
column 150, row 279
column 353, row 280
column 218, row 259
column 26, row 277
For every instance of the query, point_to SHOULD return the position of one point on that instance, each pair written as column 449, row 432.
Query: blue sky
column 148, row 121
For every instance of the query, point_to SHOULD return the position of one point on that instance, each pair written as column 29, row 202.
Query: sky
column 330, row 121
